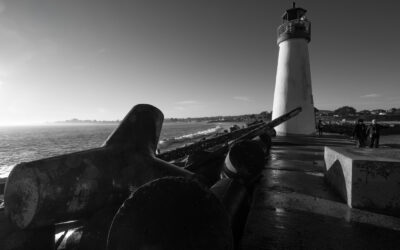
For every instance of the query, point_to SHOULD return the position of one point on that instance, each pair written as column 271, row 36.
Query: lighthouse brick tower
column 293, row 76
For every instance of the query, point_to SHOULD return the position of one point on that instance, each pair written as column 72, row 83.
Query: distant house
column 378, row 112
column 324, row 113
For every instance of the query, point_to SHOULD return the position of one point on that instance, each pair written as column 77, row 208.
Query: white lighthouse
column 293, row 76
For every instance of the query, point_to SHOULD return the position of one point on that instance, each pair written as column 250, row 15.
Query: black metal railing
column 295, row 27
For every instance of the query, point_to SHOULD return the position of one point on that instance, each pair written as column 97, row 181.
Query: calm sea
column 18, row 144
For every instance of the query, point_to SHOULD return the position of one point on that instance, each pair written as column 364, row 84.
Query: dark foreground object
column 71, row 186
column 42, row 197
column 171, row 213
column 245, row 160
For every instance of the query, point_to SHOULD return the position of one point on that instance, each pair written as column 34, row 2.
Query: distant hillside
column 78, row 121
column 350, row 113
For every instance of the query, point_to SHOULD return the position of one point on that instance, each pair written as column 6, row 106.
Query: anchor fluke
column 70, row 186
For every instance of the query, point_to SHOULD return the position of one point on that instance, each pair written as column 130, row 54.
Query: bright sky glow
column 95, row 59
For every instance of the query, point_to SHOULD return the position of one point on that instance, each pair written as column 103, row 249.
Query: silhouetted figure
column 373, row 133
column 359, row 133
column 319, row 127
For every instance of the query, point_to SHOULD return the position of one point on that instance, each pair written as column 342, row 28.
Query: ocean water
column 24, row 143
column 19, row 144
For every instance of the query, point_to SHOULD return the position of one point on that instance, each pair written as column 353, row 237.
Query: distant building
column 378, row 111
column 324, row 113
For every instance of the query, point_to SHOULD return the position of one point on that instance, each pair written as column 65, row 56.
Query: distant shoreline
column 77, row 121
column 118, row 122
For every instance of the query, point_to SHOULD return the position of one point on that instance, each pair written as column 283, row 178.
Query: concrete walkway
column 294, row 208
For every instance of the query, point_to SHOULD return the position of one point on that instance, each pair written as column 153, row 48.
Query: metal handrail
column 293, row 26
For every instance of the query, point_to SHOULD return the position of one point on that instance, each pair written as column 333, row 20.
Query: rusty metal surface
column 12, row 238
column 294, row 208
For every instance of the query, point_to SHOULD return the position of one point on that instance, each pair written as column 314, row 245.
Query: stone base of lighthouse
column 293, row 88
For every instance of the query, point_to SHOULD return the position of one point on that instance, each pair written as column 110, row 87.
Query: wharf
column 294, row 207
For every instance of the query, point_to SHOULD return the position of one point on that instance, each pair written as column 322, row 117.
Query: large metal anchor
column 71, row 186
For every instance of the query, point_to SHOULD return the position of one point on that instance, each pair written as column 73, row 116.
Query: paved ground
column 294, row 208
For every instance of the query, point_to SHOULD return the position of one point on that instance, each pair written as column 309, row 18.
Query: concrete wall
column 293, row 88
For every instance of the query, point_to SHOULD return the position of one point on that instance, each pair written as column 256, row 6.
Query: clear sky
column 95, row 59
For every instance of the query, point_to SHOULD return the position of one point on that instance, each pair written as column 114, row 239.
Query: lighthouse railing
column 295, row 26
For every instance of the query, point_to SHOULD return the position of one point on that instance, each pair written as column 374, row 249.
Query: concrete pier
column 294, row 208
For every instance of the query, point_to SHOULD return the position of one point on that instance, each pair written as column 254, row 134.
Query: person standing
column 319, row 127
column 359, row 133
column 373, row 133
